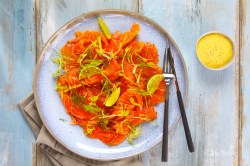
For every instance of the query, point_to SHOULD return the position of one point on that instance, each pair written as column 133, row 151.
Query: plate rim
column 96, row 13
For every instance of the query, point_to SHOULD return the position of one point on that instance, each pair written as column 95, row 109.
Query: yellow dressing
column 214, row 50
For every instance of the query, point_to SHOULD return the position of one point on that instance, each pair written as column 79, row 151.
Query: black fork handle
column 164, row 156
column 185, row 123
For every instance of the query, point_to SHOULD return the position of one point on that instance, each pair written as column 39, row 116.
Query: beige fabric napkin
column 57, row 153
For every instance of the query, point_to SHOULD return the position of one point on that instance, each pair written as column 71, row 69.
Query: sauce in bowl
column 215, row 50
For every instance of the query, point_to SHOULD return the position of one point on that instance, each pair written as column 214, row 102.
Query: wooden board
column 218, row 104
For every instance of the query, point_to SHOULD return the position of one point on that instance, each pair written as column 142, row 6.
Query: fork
column 181, row 106
column 168, row 76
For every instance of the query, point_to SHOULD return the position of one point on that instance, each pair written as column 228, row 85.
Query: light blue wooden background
column 219, row 102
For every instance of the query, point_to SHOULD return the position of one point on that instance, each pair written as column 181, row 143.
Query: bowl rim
column 229, row 39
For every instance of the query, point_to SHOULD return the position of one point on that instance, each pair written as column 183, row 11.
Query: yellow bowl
column 212, row 49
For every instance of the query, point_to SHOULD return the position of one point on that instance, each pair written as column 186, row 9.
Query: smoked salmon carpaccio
column 92, row 67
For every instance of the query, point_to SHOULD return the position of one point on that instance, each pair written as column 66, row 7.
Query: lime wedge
column 112, row 98
column 153, row 83
column 104, row 28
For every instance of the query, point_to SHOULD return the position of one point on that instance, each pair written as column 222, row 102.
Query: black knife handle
column 164, row 155
column 185, row 123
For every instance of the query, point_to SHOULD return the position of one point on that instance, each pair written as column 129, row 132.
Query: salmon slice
column 72, row 109
column 109, row 137
column 150, row 52
column 111, row 70
column 69, row 79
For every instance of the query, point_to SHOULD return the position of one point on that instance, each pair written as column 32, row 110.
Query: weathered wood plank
column 52, row 14
column 245, row 80
column 213, row 121
column 212, row 107
column 17, row 60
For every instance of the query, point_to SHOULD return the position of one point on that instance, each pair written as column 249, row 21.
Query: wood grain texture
column 212, row 107
column 217, row 100
column 245, row 80
column 17, row 60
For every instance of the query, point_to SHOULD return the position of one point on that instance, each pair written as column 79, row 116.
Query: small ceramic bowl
column 233, row 51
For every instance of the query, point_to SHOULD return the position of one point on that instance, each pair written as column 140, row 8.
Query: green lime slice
column 153, row 83
column 112, row 98
column 104, row 28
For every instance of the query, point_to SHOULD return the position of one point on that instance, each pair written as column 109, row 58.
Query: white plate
column 52, row 110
